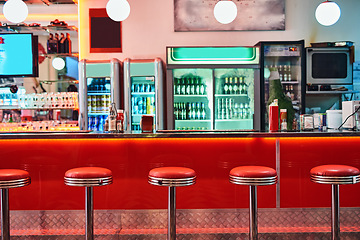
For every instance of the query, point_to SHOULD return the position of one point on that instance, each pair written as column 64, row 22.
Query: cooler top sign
column 212, row 55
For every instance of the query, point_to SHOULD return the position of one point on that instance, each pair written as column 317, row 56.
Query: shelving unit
column 37, row 29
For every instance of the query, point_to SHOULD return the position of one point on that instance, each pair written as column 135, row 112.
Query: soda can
column 103, row 103
column 89, row 103
column 93, row 103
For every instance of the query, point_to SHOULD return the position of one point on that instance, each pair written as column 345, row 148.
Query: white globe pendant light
column 327, row 13
column 15, row 11
column 225, row 11
column 118, row 10
column 58, row 63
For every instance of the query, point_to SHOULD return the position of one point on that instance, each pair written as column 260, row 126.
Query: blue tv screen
column 18, row 55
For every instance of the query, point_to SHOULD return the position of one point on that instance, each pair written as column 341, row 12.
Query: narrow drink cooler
column 143, row 93
column 99, row 87
column 213, row 88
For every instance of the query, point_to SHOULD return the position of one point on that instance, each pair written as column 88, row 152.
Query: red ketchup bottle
column 274, row 116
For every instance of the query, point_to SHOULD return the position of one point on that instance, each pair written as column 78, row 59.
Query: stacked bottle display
column 227, row 108
column 189, row 111
column 233, row 85
column 284, row 72
column 142, row 101
column 99, row 101
column 189, row 86
column 237, row 106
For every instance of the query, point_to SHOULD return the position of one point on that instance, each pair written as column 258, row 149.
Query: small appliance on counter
column 350, row 113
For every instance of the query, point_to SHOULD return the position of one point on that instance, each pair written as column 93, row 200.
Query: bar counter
column 47, row 156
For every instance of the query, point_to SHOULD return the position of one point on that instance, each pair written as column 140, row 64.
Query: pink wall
column 150, row 28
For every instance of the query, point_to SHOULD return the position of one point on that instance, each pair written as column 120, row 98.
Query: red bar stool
column 88, row 177
column 172, row 177
column 335, row 175
column 10, row 178
column 253, row 176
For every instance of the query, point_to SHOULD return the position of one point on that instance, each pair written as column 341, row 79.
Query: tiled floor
column 206, row 224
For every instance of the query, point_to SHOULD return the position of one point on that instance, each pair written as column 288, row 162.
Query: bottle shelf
column 180, row 95
column 231, row 95
column 194, row 120
column 290, row 82
column 139, row 115
column 233, row 120
column 45, row 29
column 16, row 107
column 98, row 114
column 143, row 93
column 98, row 93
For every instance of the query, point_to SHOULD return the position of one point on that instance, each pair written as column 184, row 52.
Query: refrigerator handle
column 83, row 101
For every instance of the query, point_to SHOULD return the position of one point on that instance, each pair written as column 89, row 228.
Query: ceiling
column 47, row 2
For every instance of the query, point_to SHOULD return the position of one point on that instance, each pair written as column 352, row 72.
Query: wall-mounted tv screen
column 18, row 55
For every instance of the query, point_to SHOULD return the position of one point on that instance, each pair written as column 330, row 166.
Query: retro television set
column 329, row 66
column 18, row 55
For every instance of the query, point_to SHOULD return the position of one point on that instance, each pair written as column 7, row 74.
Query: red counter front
column 212, row 157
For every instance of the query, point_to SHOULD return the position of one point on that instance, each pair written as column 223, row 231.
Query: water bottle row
column 189, row 86
column 228, row 109
column 99, row 85
column 142, row 88
column 189, row 111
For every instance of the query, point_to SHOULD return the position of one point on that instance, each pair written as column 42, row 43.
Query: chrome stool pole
column 89, row 205
column 335, row 212
column 253, row 213
column 5, row 218
column 172, row 214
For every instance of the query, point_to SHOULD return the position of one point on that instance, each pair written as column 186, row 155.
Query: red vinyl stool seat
column 335, row 175
column 10, row 178
column 253, row 176
column 172, row 177
column 88, row 177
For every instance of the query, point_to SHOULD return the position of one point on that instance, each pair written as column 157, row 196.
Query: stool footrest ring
column 15, row 183
column 253, row 181
column 335, row 180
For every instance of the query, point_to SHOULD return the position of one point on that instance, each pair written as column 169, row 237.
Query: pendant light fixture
column 327, row 13
column 225, row 11
column 118, row 10
column 15, row 11
column 58, row 63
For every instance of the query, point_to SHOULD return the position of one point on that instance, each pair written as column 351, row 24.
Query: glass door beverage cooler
column 213, row 88
column 99, row 87
column 143, row 93
column 289, row 59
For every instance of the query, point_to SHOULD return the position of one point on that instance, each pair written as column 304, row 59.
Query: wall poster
column 252, row 15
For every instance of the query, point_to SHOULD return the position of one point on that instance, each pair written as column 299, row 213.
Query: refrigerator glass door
column 142, row 100
column 234, row 99
column 286, row 58
column 193, row 91
column 98, row 96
